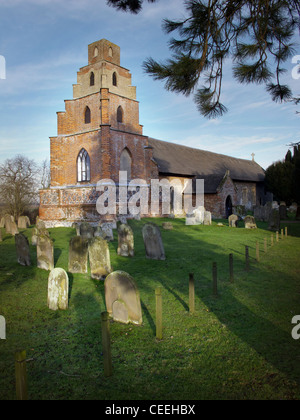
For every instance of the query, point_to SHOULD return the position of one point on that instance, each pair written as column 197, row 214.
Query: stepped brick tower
column 98, row 135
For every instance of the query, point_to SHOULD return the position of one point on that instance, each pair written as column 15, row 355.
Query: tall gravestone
column 153, row 242
column 122, row 298
column 125, row 241
column 86, row 230
column 99, row 257
column 78, row 255
column 274, row 221
column 58, row 289
column 22, row 249
column 23, row 222
column 45, row 252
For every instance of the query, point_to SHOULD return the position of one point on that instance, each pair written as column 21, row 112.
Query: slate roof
column 176, row 159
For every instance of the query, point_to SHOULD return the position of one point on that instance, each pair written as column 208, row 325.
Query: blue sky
column 44, row 43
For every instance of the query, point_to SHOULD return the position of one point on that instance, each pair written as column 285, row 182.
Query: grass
column 235, row 346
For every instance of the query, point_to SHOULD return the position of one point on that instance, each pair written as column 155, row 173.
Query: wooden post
column 158, row 313
column 282, row 236
column 215, row 279
column 286, row 231
column 257, row 251
column 191, row 293
column 265, row 245
column 231, row 276
column 272, row 239
column 277, row 236
column 247, row 257
column 106, row 344
column 21, row 375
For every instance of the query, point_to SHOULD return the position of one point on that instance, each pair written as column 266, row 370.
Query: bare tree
column 45, row 174
column 18, row 184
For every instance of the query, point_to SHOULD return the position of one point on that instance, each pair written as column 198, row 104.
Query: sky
column 45, row 42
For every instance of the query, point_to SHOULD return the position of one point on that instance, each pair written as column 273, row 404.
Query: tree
column 45, row 174
column 18, row 184
column 256, row 34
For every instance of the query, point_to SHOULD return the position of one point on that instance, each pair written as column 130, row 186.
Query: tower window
column 87, row 115
column 125, row 163
column 96, row 52
column 110, row 52
column 83, row 166
column 120, row 114
column 114, row 79
column 92, row 79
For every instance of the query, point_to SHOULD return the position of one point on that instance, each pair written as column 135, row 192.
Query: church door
column 228, row 207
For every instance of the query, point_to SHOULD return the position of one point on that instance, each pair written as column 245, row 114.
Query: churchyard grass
column 237, row 345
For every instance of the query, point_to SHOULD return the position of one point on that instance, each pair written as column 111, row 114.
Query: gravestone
column 23, row 222
column 34, row 236
column 13, row 229
column 99, row 257
column 233, row 220
column 282, row 212
column 122, row 298
column 167, row 226
column 274, row 221
column 207, row 218
column 40, row 225
column 250, row 222
column 259, row 213
column 190, row 220
column 22, row 249
column 77, row 227
column 153, row 242
column 125, row 241
column 58, row 289
column 45, row 252
column 293, row 208
column 199, row 214
column 107, row 230
column 78, row 255
column 86, row 230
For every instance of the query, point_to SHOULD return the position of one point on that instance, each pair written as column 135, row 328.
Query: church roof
column 179, row 160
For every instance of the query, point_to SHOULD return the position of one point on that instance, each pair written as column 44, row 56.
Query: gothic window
column 110, row 52
column 92, row 79
column 83, row 166
column 87, row 115
column 114, row 79
column 96, row 52
column 120, row 114
column 125, row 163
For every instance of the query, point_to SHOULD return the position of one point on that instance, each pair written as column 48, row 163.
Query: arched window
column 125, row 162
column 83, row 166
column 114, row 79
column 120, row 114
column 92, row 79
column 96, row 52
column 87, row 115
column 110, row 52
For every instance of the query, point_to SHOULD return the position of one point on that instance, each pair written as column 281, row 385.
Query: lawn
column 235, row 346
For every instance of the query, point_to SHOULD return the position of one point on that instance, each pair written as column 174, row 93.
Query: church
column 99, row 134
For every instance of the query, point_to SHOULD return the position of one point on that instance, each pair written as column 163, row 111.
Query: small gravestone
column 199, row 214
column 125, row 241
column 122, row 298
column 282, row 212
column 58, row 289
column 86, row 230
column 250, row 222
column 274, row 221
column 22, row 248
column 45, row 253
column 34, row 236
column 40, row 225
column 153, row 242
column 23, row 222
column 107, row 232
column 207, row 218
column 167, row 226
column 78, row 255
column 190, row 220
column 233, row 220
column 99, row 257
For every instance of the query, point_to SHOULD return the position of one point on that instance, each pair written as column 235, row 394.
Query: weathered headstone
column 267, row 211
column 167, row 225
column 107, row 232
column 122, row 298
column 13, row 229
column 190, row 220
column 45, row 252
column 274, row 221
column 282, row 212
column 153, row 242
column 199, row 214
column 23, row 222
column 125, row 241
column 99, row 257
column 78, row 255
column 40, row 225
column 233, row 220
column 207, row 218
column 22, row 249
column 250, row 222
column 86, row 230
column 58, row 289
column 34, row 236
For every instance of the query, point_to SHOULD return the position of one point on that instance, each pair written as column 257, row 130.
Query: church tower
column 98, row 134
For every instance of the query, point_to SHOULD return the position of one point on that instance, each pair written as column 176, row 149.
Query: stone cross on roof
column 253, row 154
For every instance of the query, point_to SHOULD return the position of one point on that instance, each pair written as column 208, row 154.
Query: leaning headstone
column 23, row 250
column 233, row 220
column 167, row 226
column 122, row 298
column 153, row 242
column 250, row 222
column 23, row 222
column 125, row 241
column 58, row 289
column 99, row 258
column 274, row 221
column 45, row 252
column 86, row 230
column 282, row 212
column 78, row 255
